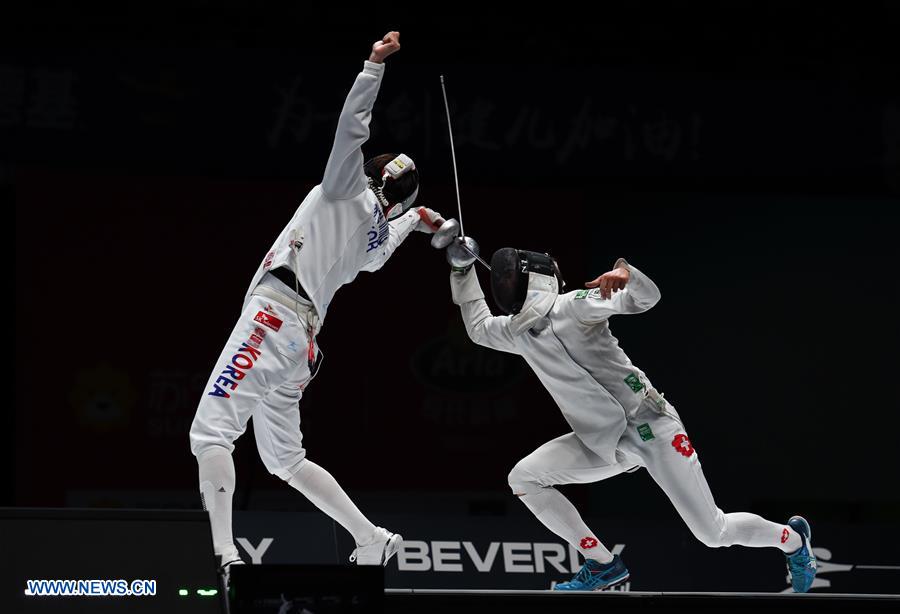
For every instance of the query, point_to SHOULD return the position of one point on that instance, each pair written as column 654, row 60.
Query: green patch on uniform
column 595, row 293
column 634, row 383
column 645, row 432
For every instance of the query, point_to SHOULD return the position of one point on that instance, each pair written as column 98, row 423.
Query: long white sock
column 217, row 481
column 320, row 487
column 754, row 531
column 560, row 516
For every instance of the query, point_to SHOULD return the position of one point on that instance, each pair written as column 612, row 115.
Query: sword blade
column 462, row 231
column 463, row 245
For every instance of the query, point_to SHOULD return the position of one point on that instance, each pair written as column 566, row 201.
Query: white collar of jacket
column 542, row 293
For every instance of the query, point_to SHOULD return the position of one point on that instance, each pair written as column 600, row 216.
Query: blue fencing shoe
column 802, row 562
column 595, row 576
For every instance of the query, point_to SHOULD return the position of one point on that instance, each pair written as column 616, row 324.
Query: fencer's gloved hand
column 429, row 221
column 461, row 259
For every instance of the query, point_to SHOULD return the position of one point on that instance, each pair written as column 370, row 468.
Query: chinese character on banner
column 167, row 392
column 473, row 126
column 12, row 95
column 52, row 103
column 403, row 119
column 294, row 114
column 662, row 137
column 891, row 139
column 587, row 129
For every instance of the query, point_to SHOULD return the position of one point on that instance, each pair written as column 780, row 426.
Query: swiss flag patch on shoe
column 267, row 319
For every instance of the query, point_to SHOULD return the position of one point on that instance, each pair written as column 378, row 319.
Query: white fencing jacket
column 576, row 357
column 339, row 229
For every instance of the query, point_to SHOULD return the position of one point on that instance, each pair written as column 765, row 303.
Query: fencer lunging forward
column 619, row 421
column 353, row 221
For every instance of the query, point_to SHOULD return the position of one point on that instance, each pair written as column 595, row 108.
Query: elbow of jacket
column 646, row 303
column 476, row 334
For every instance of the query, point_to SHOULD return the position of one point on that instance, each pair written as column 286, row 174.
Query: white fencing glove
column 429, row 220
column 460, row 259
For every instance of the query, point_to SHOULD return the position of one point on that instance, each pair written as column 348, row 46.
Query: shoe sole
column 615, row 582
column 391, row 548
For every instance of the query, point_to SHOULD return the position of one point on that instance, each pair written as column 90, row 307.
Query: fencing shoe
column 228, row 558
column 801, row 562
column 595, row 576
column 379, row 551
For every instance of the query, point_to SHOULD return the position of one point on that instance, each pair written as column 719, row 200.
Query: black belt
column 287, row 277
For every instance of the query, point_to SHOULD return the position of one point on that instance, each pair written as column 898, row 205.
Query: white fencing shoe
column 379, row 551
column 226, row 560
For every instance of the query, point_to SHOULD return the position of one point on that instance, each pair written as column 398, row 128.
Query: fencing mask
column 395, row 181
column 525, row 285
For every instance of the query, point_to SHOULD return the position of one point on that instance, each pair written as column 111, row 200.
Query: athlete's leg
column 276, row 425
column 217, row 481
column 673, row 464
column 564, row 460
column 248, row 367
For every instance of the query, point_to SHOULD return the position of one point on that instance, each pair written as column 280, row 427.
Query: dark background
column 745, row 155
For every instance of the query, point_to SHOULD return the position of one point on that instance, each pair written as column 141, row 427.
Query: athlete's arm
column 422, row 219
column 344, row 177
column 483, row 328
column 612, row 281
column 623, row 290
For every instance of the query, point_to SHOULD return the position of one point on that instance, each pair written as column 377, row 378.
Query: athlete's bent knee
column 286, row 469
column 204, row 436
column 712, row 537
column 522, row 481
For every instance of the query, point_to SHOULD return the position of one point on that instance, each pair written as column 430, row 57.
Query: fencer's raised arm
column 638, row 294
column 483, row 328
column 344, row 177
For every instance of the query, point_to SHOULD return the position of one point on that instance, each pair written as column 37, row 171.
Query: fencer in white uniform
column 353, row 221
column 619, row 421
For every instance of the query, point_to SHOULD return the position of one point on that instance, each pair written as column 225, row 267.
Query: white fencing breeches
column 656, row 439
column 261, row 373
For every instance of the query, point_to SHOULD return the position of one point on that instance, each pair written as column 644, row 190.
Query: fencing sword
column 449, row 235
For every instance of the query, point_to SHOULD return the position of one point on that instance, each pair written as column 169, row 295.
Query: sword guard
column 445, row 235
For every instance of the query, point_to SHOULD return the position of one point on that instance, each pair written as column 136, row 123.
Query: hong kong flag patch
column 267, row 319
column 682, row 445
